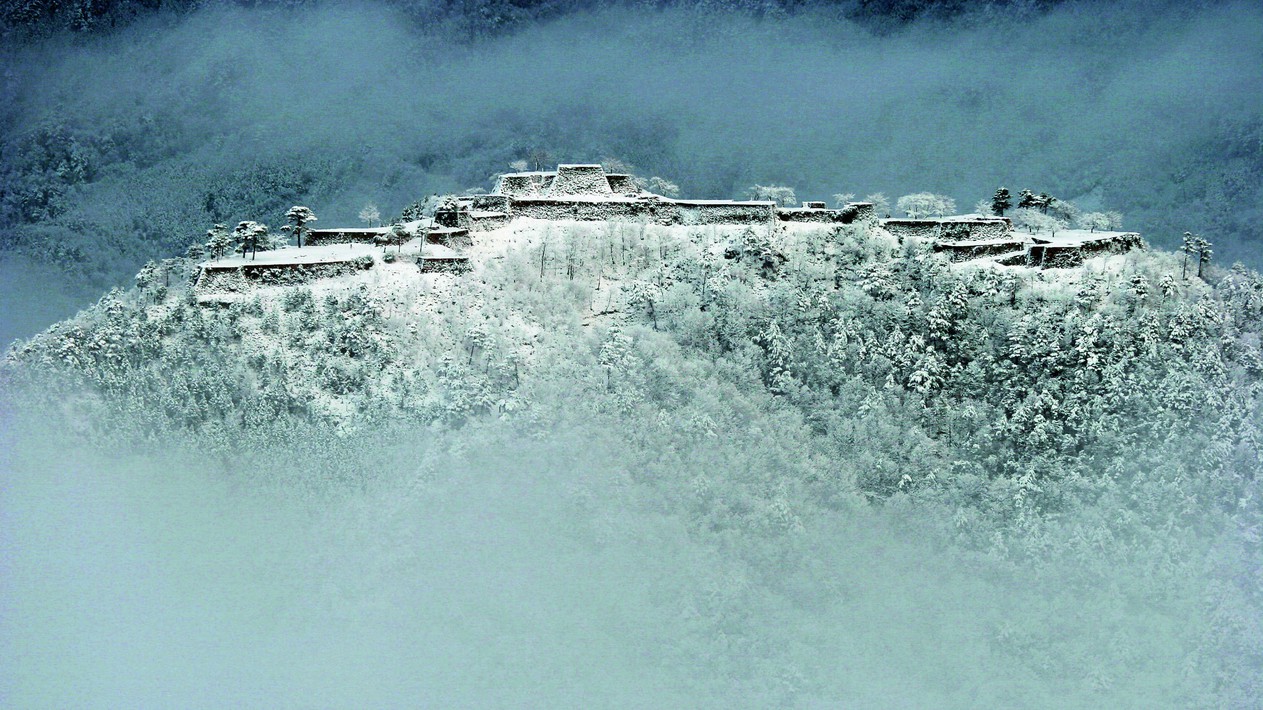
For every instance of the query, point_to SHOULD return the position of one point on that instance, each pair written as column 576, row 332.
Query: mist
column 178, row 121
column 480, row 568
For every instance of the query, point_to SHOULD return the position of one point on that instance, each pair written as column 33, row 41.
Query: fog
column 481, row 569
column 127, row 145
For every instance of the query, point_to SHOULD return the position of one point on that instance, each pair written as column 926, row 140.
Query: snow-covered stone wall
column 974, row 249
column 912, row 228
column 454, row 265
column 664, row 212
column 957, row 229
column 241, row 279
column 856, row 212
column 579, row 180
column 1053, row 255
column 722, row 212
column 346, row 235
column 520, row 184
column 622, row 184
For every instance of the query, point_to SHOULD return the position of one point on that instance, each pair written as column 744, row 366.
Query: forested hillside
column 1017, row 484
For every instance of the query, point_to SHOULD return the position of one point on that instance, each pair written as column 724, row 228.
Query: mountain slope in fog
column 715, row 467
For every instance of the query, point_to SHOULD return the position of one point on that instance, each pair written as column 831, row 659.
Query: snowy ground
column 330, row 254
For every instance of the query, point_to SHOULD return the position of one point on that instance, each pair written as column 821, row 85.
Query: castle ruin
column 585, row 192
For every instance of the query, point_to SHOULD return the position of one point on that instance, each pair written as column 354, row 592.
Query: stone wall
column 240, row 279
column 622, row 184
column 864, row 212
column 959, row 230
column 349, row 235
column 450, row 238
column 579, row 180
column 976, row 229
column 967, row 250
column 520, row 184
column 912, row 228
column 484, row 221
column 456, row 265
column 847, row 215
column 691, row 213
column 665, row 212
column 586, row 210
column 1049, row 255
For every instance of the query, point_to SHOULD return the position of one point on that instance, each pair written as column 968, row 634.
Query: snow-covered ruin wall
column 622, row 184
column 580, row 180
column 850, row 214
column 243, row 278
column 655, row 211
column 1052, row 255
column 955, row 229
column 350, row 235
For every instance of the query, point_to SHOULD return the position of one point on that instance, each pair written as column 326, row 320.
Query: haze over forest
column 126, row 140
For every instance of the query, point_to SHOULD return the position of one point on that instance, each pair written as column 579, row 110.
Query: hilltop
column 1018, row 368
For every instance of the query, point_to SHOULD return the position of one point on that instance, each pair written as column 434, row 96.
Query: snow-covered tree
column 247, row 237
column 983, row 207
column 1093, row 221
column 842, row 199
column 399, row 235
column 924, row 204
column 539, row 158
column 1187, row 247
column 218, row 241
column 662, row 186
column 783, row 196
column 1063, row 210
column 1204, row 252
column 370, row 214
column 298, row 218
column 617, row 166
column 880, row 203
column 1001, row 201
column 147, row 275
column 1035, row 221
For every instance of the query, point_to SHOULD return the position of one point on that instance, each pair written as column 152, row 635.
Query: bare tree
column 783, row 196
column 922, row 204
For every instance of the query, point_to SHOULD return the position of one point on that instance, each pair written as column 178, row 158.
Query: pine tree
column 1001, row 201
column 247, row 236
column 1204, row 253
column 1187, row 248
column 298, row 217
column 218, row 240
column 399, row 235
